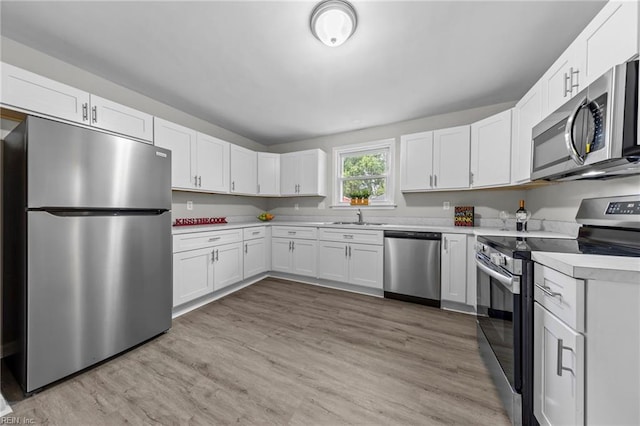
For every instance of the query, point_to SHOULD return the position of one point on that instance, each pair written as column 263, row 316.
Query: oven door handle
column 509, row 282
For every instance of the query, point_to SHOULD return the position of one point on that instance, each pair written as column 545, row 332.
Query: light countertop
column 418, row 228
column 591, row 266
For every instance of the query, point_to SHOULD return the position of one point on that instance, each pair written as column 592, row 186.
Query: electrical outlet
column 189, row 205
column 446, row 205
column 296, row 206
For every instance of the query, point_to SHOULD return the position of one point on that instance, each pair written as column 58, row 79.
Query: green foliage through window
column 364, row 175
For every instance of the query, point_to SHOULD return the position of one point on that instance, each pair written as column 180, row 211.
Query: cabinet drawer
column 254, row 232
column 205, row 239
column 352, row 235
column 303, row 232
column 561, row 294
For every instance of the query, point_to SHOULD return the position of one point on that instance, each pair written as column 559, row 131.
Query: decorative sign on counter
column 189, row 221
column 463, row 216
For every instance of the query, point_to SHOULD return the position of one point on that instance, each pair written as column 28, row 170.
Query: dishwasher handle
column 413, row 235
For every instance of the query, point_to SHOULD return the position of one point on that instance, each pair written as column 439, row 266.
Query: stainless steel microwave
column 594, row 134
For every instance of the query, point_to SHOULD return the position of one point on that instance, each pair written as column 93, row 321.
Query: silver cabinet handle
column 213, row 256
column 246, row 248
column 289, row 245
column 199, row 180
column 444, row 242
column 217, row 253
column 94, row 114
column 430, row 180
column 560, row 367
column 85, row 111
column 293, row 245
column 470, row 177
column 435, row 180
column 349, row 251
column 214, row 239
column 233, row 185
column 195, row 180
column 345, row 251
column 547, row 290
column 575, row 85
column 258, row 188
column 567, row 90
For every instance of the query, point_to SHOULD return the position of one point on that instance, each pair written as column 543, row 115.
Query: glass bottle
column 522, row 215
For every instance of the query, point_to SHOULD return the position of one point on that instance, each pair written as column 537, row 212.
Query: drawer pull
column 348, row 237
column 291, row 232
column 255, row 232
column 214, row 239
column 560, row 367
column 548, row 292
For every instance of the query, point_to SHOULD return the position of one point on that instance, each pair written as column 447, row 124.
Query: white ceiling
column 254, row 68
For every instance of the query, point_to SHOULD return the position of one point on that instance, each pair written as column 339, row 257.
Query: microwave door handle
column 568, row 132
column 510, row 283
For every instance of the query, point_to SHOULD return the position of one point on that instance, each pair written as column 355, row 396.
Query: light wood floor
column 279, row 352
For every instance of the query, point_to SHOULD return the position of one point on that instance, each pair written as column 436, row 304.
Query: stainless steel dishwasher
column 412, row 266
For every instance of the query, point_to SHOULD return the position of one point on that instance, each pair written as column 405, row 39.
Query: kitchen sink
column 356, row 223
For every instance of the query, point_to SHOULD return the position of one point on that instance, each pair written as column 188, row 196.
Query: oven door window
column 498, row 316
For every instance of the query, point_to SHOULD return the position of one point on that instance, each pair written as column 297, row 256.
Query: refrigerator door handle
column 100, row 212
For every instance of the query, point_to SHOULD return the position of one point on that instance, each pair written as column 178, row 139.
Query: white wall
column 416, row 205
column 561, row 201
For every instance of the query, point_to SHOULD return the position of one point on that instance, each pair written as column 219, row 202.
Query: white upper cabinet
column 118, row 118
column 526, row 114
column 451, row 154
column 491, row 151
column 34, row 93
column 435, row 160
column 212, row 163
column 303, row 173
column 268, row 174
column 182, row 143
column 416, row 162
column 244, row 171
column 610, row 39
column 198, row 162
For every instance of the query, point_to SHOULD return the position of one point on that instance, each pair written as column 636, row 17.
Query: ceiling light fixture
column 333, row 22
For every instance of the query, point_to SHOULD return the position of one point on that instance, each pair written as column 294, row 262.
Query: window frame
column 364, row 148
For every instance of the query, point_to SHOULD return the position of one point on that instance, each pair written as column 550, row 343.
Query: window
column 364, row 170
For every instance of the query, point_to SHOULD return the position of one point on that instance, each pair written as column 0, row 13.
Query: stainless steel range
column 611, row 227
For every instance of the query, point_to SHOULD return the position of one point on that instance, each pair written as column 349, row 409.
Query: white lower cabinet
column 255, row 257
column 192, row 275
column 204, row 262
column 453, row 261
column 294, row 256
column 558, row 371
column 227, row 267
column 359, row 264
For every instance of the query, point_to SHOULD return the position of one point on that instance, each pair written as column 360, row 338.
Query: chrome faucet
column 359, row 213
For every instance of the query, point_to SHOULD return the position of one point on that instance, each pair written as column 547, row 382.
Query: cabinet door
column 281, row 257
column 244, row 171
column 268, row 174
column 212, row 163
column 255, row 257
column 558, row 368
column 526, row 114
column 289, row 174
column 32, row 92
column 491, row 151
column 416, row 162
column 192, row 275
column 109, row 115
column 182, row 143
column 333, row 260
column 611, row 38
column 227, row 267
column 451, row 156
column 309, row 173
column 454, row 268
column 559, row 80
column 304, row 257
column 365, row 265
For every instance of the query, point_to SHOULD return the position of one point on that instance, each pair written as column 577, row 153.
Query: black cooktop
column 524, row 245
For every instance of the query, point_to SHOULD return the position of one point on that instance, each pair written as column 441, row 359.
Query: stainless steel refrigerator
column 86, row 247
